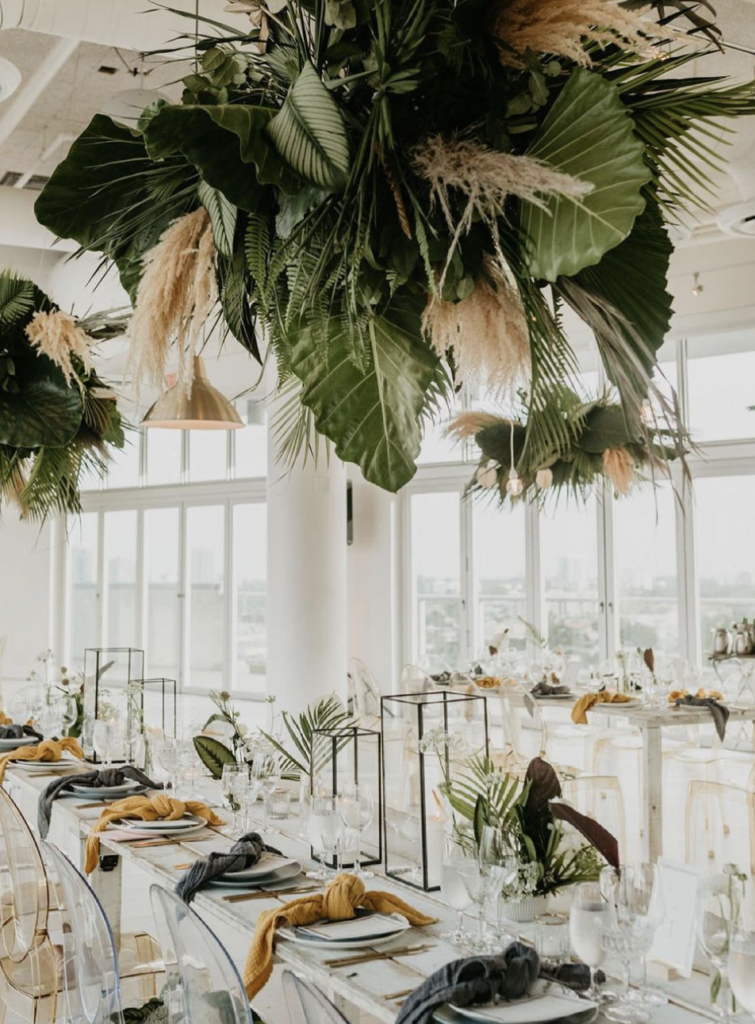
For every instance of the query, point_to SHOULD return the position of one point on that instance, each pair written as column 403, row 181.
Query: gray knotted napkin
column 17, row 732
column 719, row 711
column 485, row 979
column 245, row 852
column 545, row 689
column 100, row 777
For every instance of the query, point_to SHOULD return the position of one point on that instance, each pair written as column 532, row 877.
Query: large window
column 84, row 602
column 250, row 585
column 162, row 543
column 659, row 568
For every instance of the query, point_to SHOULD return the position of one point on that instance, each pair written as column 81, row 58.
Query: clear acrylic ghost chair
column 720, row 827
column 28, row 958
column 364, row 692
column 306, row 1005
column 600, row 798
column 90, row 962
column 203, row 985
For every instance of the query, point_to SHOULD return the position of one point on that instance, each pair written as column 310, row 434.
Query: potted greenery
column 555, row 844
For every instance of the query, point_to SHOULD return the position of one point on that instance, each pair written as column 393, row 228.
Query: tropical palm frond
column 294, row 428
column 16, row 298
column 296, row 749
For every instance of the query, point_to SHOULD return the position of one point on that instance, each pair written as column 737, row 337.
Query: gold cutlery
column 261, row 894
column 139, row 843
column 352, row 961
column 393, row 996
column 86, row 807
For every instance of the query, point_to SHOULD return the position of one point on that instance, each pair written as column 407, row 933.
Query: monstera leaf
column 110, row 197
column 43, row 412
column 588, row 134
column 309, row 132
column 222, row 142
column 374, row 417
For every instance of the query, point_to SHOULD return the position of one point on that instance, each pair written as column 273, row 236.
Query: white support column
column 307, row 618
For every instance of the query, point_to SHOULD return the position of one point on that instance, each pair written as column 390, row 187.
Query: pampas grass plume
column 58, row 336
column 619, row 468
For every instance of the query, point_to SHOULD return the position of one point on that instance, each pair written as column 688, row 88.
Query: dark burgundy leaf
column 544, row 784
column 649, row 658
column 594, row 833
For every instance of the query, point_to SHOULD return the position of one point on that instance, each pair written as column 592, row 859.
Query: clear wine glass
column 717, row 911
column 69, row 714
column 627, row 936
column 454, row 891
column 266, row 770
column 742, row 967
column 165, row 756
column 233, row 780
column 323, row 830
column 649, row 904
column 590, row 910
column 357, row 809
column 106, row 734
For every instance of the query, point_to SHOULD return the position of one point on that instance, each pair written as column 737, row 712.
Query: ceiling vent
column 35, row 183
column 738, row 220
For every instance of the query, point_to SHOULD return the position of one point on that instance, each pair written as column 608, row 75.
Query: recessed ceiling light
column 10, row 79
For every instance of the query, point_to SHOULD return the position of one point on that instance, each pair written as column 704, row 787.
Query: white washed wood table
column 357, row 990
column 651, row 721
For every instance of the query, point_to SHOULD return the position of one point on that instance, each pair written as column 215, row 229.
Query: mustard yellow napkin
column 589, row 700
column 47, row 750
column 4, row 720
column 702, row 694
column 338, row 903
column 145, row 808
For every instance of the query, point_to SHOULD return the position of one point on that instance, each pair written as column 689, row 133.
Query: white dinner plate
column 284, row 874
column 46, row 766
column 553, row 696
column 11, row 742
column 129, row 788
column 305, row 937
column 445, row 1015
column 546, row 1003
column 269, row 864
column 179, row 825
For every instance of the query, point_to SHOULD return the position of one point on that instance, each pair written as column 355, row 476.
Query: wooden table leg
column 652, row 810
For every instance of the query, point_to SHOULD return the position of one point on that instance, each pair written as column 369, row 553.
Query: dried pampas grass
column 176, row 295
column 58, row 336
column 486, row 332
column 561, row 27
column 619, row 468
column 467, row 424
column 486, row 178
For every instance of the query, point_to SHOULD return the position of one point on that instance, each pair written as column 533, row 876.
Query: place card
column 676, row 937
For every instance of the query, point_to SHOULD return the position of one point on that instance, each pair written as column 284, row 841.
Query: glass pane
column 123, row 468
column 725, row 554
column 163, row 456
column 82, row 543
column 720, row 371
column 646, row 582
column 436, row 559
column 500, row 558
column 206, row 548
column 251, row 441
column 208, row 454
column 161, row 551
column 120, row 576
column 570, row 569
column 250, row 569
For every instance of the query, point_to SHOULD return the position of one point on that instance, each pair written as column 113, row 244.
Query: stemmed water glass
column 165, row 756
column 234, row 780
column 266, row 770
column 107, row 738
column 648, row 899
column 454, row 891
column 718, row 911
column 323, row 831
column 742, row 966
column 357, row 809
column 590, row 913
column 484, row 874
column 630, row 934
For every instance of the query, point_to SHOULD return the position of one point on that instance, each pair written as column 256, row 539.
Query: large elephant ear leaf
column 309, row 132
column 593, row 831
column 588, row 133
column 43, row 413
column 374, row 417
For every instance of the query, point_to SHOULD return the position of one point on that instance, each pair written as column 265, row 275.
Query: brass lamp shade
column 204, row 409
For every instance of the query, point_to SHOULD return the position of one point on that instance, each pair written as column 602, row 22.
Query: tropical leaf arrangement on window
column 394, row 198
column 58, row 421
column 602, row 446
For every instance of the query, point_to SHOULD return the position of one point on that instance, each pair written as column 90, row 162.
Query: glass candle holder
column 552, row 937
column 279, row 805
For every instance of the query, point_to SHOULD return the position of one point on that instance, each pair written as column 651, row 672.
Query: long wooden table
column 357, row 990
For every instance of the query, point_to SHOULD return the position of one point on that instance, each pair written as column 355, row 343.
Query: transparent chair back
column 523, row 727
column 365, row 691
column 203, row 985
column 28, row 965
column 90, row 961
column 600, row 798
column 720, row 827
column 306, row 1005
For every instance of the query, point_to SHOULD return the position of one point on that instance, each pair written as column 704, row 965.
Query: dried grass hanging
column 619, row 468
column 486, row 178
column 467, row 424
column 486, row 332
column 176, row 295
column 561, row 27
column 58, row 336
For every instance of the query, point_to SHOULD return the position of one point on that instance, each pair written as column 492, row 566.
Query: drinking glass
column 234, row 780
column 266, row 769
column 357, row 809
column 552, row 937
column 648, row 904
column 69, row 713
column 107, row 738
column 323, row 830
column 718, row 910
column 484, row 874
column 454, row 891
column 165, row 756
column 629, row 935
column 590, row 910
column 742, row 967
